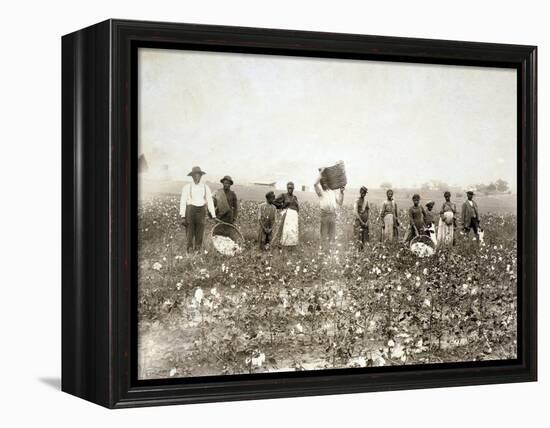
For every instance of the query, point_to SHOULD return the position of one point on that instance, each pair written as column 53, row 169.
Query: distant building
column 265, row 184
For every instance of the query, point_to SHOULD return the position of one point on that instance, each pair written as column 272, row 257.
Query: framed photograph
column 255, row 213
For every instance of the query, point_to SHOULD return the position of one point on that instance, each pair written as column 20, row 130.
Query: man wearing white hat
column 196, row 199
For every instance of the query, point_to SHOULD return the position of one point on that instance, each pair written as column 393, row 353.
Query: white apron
column 289, row 234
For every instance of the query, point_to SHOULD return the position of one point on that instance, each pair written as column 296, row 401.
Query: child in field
column 430, row 221
column 417, row 219
column 266, row 219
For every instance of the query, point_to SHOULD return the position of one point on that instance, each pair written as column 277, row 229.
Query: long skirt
column 445, row 234
column 390, row 231
column 289, row 233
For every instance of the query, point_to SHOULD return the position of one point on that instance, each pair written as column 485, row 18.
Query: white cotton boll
column 391, row 343
column 398, row 351
column 199, row 294
column 157, row 266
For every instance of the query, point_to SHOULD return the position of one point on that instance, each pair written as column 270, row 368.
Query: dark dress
column 284, row 201
column 361, row 231
column 430, row 217
column 266, row 218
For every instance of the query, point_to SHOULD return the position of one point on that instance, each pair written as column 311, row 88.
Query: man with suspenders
column 196, row 199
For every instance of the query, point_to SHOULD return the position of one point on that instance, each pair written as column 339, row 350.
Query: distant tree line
column 498, row 186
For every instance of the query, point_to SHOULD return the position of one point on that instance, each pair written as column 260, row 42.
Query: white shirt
column 197, row 195
column 329, row 200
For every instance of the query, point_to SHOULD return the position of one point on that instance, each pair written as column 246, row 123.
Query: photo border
column 115, row 326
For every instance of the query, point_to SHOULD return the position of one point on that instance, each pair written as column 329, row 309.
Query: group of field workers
column 197, row 202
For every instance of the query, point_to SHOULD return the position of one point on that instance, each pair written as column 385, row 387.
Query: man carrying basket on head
column 329, row 201
column 196, row 199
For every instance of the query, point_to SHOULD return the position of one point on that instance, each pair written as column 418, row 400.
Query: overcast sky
column 276, row 118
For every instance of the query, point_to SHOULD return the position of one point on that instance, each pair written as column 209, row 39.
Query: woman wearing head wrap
column 288, row 229
column 389, row 220
column 447, row 222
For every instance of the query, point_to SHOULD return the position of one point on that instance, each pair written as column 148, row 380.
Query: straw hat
column 228, row 178
column 196, row 170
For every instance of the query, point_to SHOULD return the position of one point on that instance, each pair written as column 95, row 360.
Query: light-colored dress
column 445, row 232
column 290, row 232
column 388, row 214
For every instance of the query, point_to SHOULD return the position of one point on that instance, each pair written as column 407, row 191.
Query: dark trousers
column 361, row 234
column 265, row 239
column 474, row 225
column 196, row 218
column 328, row 227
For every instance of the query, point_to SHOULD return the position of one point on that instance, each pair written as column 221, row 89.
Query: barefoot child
column 417, row 219
column 266, row 219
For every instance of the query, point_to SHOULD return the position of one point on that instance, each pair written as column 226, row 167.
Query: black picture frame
column 99, row 213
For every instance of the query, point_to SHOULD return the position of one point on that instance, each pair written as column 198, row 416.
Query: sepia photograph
column 301, row 213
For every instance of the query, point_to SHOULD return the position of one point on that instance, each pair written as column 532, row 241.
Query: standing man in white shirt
column 329, row 201
column 196, row 199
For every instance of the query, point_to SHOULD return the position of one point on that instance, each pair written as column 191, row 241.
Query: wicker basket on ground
column 422, row 246
column 335, row 176
column 227, row 239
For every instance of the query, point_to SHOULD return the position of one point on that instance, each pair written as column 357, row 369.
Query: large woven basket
column 425, row 250
column 229, row 231
column 424, row 239
column 335, row 176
